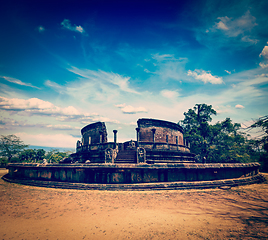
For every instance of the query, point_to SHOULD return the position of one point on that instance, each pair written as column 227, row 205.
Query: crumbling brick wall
column 94, row 133
column 165, row 132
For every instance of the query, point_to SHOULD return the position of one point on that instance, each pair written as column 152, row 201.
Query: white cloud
column 66, row 23
column 239, row 27
column 41, row 29
column 238, row 106
column 55, row 86
column 103, row 80
column 234, row 27
column 79, row 29
column 221, row 24
column 48, row 140
column 164, row 57
column 264, row 52
column 227, row 71
column 128, row 109
column 249, row 40
column 132, row 110
column 263, row 65
column 61, row 127
column 205, row 76
column 19, row 82
column 168, row 67
column 167, row 57
column 120, row 105
column 132, row 124
column 169, row 94
column 8, row 123
column 263, row 75
column 264, row 55
column 35, row 106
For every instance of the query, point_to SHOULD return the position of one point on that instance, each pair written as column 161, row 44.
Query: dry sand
column 42, row 213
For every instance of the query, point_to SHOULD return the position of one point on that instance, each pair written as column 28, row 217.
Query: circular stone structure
column 134, row 177
column 158, row 159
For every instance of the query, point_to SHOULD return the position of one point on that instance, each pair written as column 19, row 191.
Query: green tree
column 221, row 142
column 11, row 145
column 40, row 154
column 228, row 144
column 262, row 141
column 32, row 155
column 27, row 155
column 54, row 156
column 197, row 130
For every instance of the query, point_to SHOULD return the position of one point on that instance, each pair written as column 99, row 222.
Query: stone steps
column 126, row 156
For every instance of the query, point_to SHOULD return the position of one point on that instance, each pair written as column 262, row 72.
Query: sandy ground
column 42, row 213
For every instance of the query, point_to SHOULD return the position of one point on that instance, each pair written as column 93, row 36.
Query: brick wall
column 94, row 133
column 164, row 131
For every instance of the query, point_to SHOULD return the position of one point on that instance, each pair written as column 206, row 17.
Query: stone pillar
column 153, row 130
column 138, row 138
column 177, row 142
column 115, row 132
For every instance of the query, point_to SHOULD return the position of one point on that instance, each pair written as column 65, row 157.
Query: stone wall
column 94, row 133
column 163, row 131
column 132, row 173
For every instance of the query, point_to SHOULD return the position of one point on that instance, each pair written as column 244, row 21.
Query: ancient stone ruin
column 159, row 158
column 157, row 141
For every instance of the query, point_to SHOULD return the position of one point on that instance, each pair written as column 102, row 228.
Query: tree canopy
column 11, row 145
column 13, row 149
column 32, row 155
column 221, row 142
column 262, row 140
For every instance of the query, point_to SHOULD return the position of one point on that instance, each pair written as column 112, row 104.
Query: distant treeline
column 12, row 150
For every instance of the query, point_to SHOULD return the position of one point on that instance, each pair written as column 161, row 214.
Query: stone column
column 115, row 132
column 153, row 130
column 138, row 138
column 177, row 142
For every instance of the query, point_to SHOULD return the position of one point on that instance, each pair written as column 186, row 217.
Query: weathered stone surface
column 142, row 186
column 94, row 133
column 164, row 131
column 152, row 134
column 132, row 173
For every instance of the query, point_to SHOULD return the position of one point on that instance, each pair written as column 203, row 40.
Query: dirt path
column 43, row 213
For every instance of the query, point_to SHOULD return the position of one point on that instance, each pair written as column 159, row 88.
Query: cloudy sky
column 65, row 64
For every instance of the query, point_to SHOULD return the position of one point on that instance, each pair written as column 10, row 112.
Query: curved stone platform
column 134, row 176
column 228, row 183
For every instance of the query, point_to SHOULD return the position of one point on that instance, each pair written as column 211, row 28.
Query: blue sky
column 65, row 64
